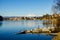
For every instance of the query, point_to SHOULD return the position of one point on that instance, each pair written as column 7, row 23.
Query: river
column 9, row 30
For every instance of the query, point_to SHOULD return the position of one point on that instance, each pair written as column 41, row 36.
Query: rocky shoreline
column 38, row 30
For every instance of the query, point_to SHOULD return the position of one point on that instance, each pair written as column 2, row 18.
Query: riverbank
column 57, row 37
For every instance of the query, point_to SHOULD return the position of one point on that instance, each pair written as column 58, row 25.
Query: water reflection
column 47, row 26
column 11, row 28
column 55, row 25
column 30, row 24
column 0, row 23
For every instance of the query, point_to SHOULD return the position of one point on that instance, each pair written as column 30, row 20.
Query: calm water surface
column 9, row 30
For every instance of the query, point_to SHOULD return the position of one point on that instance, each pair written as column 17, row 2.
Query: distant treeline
column 44, row 17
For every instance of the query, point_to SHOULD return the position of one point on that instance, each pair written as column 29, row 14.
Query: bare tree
column 56, row 7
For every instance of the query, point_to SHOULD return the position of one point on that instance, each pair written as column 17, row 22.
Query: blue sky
column 25, row 7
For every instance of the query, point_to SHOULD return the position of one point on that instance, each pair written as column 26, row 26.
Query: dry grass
column 57, row 37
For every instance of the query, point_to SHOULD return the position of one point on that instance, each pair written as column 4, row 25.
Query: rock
column 23, row 32
column 27, row 31
column 46, row 30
